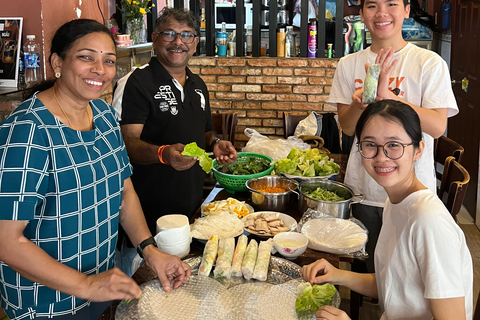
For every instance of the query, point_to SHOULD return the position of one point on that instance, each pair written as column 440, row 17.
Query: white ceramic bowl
column 290, row 244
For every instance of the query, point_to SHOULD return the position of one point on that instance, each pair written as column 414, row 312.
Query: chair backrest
column 454, row 185
column 477, row 309
column 443, row 148
column 290, row 123
column 225, row 125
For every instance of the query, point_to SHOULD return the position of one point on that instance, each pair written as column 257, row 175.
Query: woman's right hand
column 111, row 285
column 331, row 313
column 329, row 272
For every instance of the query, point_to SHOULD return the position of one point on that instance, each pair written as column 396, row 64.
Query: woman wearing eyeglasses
column 423, row 268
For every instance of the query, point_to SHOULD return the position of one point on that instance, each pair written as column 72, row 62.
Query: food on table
column 230, row 205
column 236, row 270
column 224, row 258
column 249, row 260
column 224, row 225
column 263, row 260
column 252, row 166
column 323, row 194
column 311, row 298
column 192, row 150
column 308, row 163
column 371, row 83
column 268, row 224
column 209, row 255
column 272, row 190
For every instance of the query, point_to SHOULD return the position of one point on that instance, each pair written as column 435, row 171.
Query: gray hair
column 181, row 15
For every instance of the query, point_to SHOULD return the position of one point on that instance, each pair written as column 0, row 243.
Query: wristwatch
column 144, row 244
column 214, row 142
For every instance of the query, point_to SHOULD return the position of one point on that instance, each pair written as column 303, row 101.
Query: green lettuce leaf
column 312, row 298
column 308, row 163
column 192, row 150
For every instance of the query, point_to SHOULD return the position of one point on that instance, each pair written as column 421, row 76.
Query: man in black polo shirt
column 163, row 106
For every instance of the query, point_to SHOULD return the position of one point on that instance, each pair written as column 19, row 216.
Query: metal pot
column 337, row 209
column 265, row 201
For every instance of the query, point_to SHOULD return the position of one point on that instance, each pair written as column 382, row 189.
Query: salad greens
column 311, row 298
column 192, row 150
column 308, row 163
column 323, row 194
column 253, row 165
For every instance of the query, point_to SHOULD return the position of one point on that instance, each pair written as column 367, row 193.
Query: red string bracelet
column 160, row 151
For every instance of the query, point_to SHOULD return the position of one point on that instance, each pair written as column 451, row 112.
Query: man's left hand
column 224, row 152
column 170, row 269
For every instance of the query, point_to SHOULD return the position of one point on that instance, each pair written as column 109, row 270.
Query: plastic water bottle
column 31, row 52
column 289, row 43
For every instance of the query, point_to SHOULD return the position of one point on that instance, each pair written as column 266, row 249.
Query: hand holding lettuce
column 311, row 298
column 192, row 150
column 308, row 163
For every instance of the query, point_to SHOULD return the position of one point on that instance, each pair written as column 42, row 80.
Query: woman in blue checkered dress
column 64, row 188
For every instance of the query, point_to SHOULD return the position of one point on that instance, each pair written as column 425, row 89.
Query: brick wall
column 261, row 89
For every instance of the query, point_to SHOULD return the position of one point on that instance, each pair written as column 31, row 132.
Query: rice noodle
column 224, row 225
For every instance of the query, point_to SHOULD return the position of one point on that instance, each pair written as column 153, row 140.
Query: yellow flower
column 153, row 5
column 136, row 2
column 142, row 11
column 129, row 1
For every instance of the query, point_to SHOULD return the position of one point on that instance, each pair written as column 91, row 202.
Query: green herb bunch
column 134, row 9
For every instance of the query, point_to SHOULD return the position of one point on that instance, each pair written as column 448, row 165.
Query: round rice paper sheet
column 338, row 236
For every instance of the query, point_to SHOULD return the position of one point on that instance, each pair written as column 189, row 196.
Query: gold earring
column 58, row 75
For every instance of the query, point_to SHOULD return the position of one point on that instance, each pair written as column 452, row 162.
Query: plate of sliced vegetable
column 266, row 224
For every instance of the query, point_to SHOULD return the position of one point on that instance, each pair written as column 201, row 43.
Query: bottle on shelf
column 289, row 43
column 312, row 38
column 21, row 70
column 281, row 42
column 202, row 19
column 222, row 40
column 249, row 41
column 31, row 51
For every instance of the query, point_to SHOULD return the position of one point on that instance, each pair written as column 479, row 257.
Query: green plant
column 134, row 9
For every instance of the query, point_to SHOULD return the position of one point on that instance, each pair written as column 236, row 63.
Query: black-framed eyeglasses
column 169, row 36
column 392, row 149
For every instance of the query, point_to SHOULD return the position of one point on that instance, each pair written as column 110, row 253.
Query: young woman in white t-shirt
column 423, row 268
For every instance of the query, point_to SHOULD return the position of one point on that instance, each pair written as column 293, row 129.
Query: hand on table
column 170, row 269
column 173, row 155
column 224, row 152
column 330, row 273
column 111, row 285
column 331, row 313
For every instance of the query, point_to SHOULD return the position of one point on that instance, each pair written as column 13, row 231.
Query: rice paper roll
column 263, row 260
column 238, row 255
column 209, row 255
column 249, row 259
column 226, row 247
column 371, row 83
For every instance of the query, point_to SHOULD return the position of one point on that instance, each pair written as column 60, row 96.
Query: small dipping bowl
column 290, row 244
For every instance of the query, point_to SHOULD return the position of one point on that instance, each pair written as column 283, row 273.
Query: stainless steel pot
column 337, row 209
column 265, row 201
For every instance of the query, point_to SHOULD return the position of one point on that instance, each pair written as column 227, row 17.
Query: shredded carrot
column 273, row 190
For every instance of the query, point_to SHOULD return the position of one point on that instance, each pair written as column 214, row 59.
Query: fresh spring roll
column 248, row 263
column 224, row 259
column 209, row 255
column 371, row 83
column 236, row 270
column 263, row 260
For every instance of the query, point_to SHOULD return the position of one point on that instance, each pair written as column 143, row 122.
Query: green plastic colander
column 232, row 183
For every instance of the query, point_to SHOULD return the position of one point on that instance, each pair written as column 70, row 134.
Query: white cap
column 31, row 37
column 289, row 28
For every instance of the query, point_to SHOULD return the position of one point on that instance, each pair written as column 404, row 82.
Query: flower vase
column 137, row 31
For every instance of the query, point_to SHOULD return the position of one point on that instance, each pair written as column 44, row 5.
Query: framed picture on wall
column 10, row 44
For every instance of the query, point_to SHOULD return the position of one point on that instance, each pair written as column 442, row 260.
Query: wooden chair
column 454, row 185
column 290, row 123
column 443, row 148
column 225, row 125
column 477, row 309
